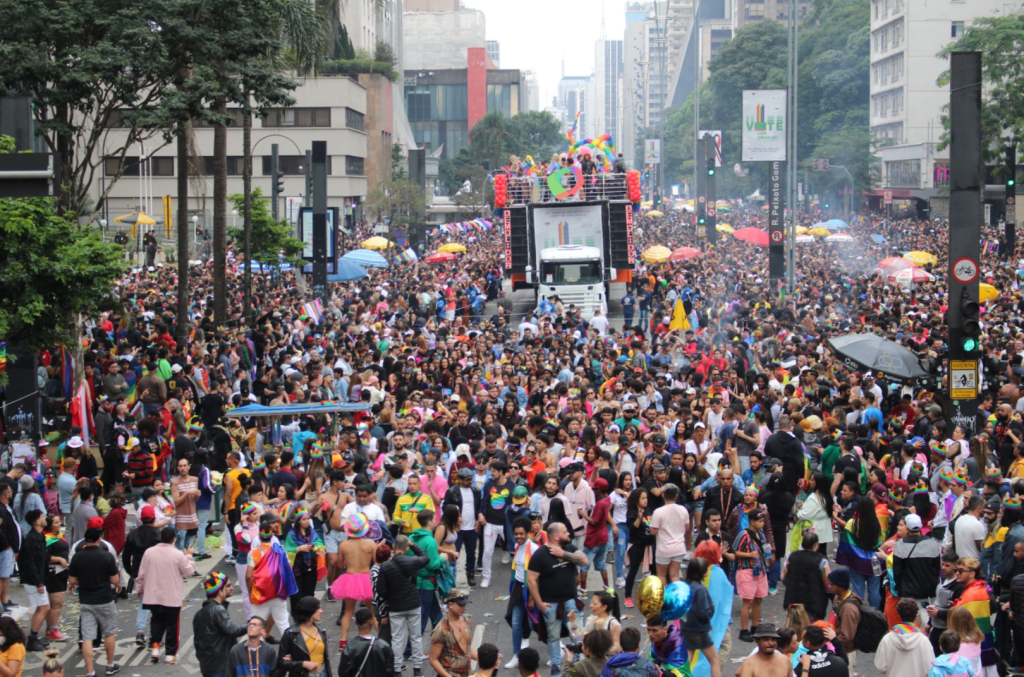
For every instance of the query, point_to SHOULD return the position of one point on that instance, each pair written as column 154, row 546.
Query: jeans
column 744, row 463
column 518, row 616
column 554, row 626
column 491, row 533
column 141, row 618
column 204, row 519
column 859, row 582
column 620, row 548
column 430, row 610
column 467, row 537
column 627, row 320
column 407, row 625
column 775, row 572
column 645, row 313
column 185, row 538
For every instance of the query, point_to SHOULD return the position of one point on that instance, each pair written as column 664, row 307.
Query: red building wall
column 477, row 65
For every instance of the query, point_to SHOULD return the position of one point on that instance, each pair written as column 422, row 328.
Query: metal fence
column 532, row 189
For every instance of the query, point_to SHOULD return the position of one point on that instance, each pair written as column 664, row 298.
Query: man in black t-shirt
column 655, row 486
column 93, row 570
column 819, row 661
column 551, row 577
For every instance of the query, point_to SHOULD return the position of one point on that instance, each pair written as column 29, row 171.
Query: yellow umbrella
column 452, row 248
column 376, row 243
column 819, row 232
column 921, row 258
column 987, row 292
column 137, row 217
column 800, row 230
column 654, row 212
column 656, row 254
column 724, row 228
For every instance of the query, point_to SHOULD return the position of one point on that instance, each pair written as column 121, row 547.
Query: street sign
column 702, row 231
column 887, row 197
column 821, row 165
column 701, row 199
column 776, row 236
column 963, row 379
column 965, row 270
column 712, row 209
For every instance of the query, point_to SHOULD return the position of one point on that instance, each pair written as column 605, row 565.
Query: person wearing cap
column 845, row 616
column 161, row 590
column 916, row 563
column 767, row 661
column 93, row 571
column 139, row 540
column 213, row 632
column 451, row 643
column 356, row 556
column 496, row 496
column 463, row 496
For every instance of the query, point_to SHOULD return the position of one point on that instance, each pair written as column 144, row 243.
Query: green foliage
column 399, row 202
column 397, row 156
column 53, row 270
column 1001, row 42
column 536, row 133
column 357, row 66
column 271, row 241
column 383, row 52
column 343, row 48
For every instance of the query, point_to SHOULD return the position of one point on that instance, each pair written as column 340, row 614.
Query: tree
column 536, row 133
column 491, row 140
column 399, row 203
column 54, row 272
column 397, row 157
column 1001, row 42
column 271, row 241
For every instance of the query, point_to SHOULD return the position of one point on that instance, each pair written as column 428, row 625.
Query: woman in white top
column 619, row 499
column 699, row 447
column 604, row 612
column 818, row 509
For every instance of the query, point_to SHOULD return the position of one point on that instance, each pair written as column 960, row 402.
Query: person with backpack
column 859, row 626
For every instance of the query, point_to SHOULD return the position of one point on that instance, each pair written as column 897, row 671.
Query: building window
column 158, row 166
column 904, row 174
column 236, row 165
column 236, row 119
column 354, row 119
column 297, row 117
column 957, row 30
column 291, row 165
column 353, row 166
column 499, row 98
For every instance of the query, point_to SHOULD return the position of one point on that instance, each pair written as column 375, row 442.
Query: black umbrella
column 871, row 353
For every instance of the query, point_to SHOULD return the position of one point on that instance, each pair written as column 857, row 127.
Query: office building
column 571, row 99
column 494, row 52
column 608, row 89
column 749, row 11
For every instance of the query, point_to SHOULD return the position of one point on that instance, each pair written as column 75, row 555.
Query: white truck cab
column 573, row 273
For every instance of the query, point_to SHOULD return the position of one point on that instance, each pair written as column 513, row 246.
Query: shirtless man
column 767, row 662
column 332, row 503
column 355, row 556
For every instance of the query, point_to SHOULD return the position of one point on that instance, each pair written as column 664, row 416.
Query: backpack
column 871, row 629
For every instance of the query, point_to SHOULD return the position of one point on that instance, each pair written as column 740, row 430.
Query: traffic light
column 711, row 166
column 280, row 182
column 970, row 313
column 700, row 220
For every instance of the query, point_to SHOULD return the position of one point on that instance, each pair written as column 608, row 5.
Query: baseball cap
column 95, row 523
column 913, row 522
column 176, row 369
column 148, row 513
column 457, row 596
column 601, row 484
column 520, row 495
column 658, row 439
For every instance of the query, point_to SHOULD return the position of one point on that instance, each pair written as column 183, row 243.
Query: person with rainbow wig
column 213, row 631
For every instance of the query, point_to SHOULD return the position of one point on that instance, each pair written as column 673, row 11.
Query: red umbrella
column 440, row 257
column 752, row 235
column 896, row 263
column 910, row 275
column 684, row 253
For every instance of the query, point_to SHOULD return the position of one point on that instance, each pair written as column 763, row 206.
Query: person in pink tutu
column 355, row 556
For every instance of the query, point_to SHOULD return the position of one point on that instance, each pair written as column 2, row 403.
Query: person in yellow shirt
column 1017, row 466
column 232, row 489
column 409, row 505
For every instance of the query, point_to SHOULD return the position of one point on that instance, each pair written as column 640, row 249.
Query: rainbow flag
column 273, row 577
column 3, row 356
column 975, row 599
column 314, row 310
column 67, row 372
column 853, row 556
column 571, row 136
column 563, row 232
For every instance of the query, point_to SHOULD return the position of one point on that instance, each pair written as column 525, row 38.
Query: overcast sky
column 538, row 34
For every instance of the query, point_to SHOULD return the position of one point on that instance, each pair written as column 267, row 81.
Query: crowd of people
column 442, row 430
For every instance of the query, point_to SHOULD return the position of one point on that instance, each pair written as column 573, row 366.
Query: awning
column 296, row 409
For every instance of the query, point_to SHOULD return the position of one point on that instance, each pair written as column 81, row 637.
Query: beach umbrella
column 376, row 243
column 836, row 224
column 724, row 228
column 800, row 230
column 896, row 263
column 347, row 271
column 804, row 239
column 752, row 235
column 684, row 253
column 910, row 276
column 366, row 258
column 452, row 248
column 141, row 218
column 987, row 292
column 656, row 254
column 440, row 257
column 839, row 237
column 868, row 352
column 655, row 213
column 819, row 231
column 921, row 258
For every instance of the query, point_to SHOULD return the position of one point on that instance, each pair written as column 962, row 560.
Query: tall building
column 571, row 99
column 530, row 95
column 432, row 5
column 749, row 11
column 646, row 71
column 438, row 40
column 906, row 102
column 608, row 84
column 494, row 52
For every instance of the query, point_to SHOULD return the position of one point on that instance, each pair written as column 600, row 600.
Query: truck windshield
column 571, row 272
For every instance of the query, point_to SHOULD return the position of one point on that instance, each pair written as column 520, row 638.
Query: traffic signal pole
column 965, row 217
column 699, row 162
column 274, row 187
column 1011, row 203
column 711, row 208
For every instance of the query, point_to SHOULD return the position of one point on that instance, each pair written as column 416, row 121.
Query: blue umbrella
column 258, row 267
column 834, row 224
column 366, row 257
column 347, row 271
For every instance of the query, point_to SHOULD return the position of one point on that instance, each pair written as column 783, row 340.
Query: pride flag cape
column 294, row 541
column 130, row 378
column 975, row 599
column 273, row 577
column 672, row 656
column 717, row 583
column 849, row 554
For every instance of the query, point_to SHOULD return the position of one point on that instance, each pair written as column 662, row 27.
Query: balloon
column 677, row 601
column 650, row 595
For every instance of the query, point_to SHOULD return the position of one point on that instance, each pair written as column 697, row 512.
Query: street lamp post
column 195, row 233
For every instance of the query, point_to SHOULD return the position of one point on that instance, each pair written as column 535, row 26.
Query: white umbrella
column 839, row 237
column 910, row 276
column 804, row 239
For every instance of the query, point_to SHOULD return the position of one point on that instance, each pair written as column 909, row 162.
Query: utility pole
column 711, row 207
column 965, row 216
column 320, row 249
column 699, row 200
column 1011, row 202
column 698, row 74
column 791, row 154
column 275, row 190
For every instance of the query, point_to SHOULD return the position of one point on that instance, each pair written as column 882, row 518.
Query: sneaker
column 416, row 672
column 773, row 591
column 620, row 582
column 113, row 669
column 746, row 636
column 154, row 655
column 170, row 660
column 486, row 583
column 36, row 644
column 329, row 597
column 504, row 558
column 140, row 639
column 629, row 602
column 512, row 664
column 55, row 635
column 526, row 644
column 471, row 579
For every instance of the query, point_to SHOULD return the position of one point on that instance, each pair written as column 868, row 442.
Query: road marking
column 478, row 639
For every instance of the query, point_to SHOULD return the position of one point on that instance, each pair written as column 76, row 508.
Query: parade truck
column 578, row 249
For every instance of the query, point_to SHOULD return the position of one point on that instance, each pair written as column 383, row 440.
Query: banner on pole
column 776, row 227
column 764, row 125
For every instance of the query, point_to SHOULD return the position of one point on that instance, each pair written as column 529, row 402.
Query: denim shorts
column 7, row 563
column 332, row 539
column 597, row 556
column 698, row 640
